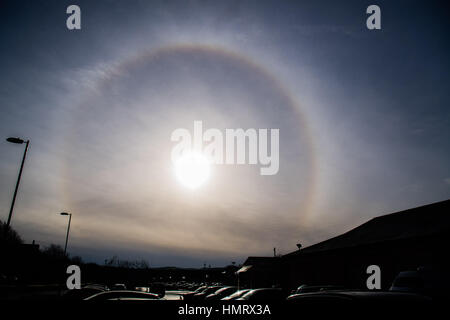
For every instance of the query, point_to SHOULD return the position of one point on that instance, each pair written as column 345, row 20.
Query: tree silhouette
column 54, row 251
column 9, row 236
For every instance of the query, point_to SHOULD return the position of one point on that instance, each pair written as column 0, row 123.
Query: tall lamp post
column 18, row 141
column 68, row 229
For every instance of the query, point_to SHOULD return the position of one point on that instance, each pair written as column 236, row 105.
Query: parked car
column 83, row 293
column 189, row 295
column 343, row 297
column 202, row 295
column 424, row 281
column 122, row 295
column 221, row 293
column 308, row 289
column 236, row 295
column 158, row 288
column 271, row 294
column 118, row 286
column 408, row 281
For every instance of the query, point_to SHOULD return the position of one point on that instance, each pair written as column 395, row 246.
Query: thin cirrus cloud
column 99, row 107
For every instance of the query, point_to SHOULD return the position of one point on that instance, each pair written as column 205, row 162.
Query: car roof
column 239, row 292
column 124, row 293
column 363, row 295
column 265, row 289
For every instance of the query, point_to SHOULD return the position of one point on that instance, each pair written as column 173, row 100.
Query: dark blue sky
column 363, row 116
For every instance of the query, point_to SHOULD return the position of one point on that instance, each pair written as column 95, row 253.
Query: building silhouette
column 400, row 241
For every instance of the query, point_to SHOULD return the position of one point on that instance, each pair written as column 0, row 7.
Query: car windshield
column 263, row 294
column 238, row 294
column 223, row 290
column 249, row 294
column 121, row 294
column 210, row 290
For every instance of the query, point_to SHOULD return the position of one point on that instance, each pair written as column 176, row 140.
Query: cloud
column 315, row 30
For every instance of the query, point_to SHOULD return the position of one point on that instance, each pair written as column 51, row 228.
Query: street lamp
column 18, row 141
column 68, row 229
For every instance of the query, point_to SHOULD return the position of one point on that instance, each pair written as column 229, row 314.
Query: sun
column 192, row 170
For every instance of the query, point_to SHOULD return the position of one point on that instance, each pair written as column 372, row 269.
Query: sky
column 363, row 120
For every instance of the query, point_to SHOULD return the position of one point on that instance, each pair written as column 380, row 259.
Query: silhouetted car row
column 215, row 293
column 304, row 294
column 114, row 292
column 409, row 286
column 123, row 295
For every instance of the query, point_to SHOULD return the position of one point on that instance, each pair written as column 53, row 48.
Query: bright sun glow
column 192, row 170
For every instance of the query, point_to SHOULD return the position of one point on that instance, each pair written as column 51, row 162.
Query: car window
column 409, row 282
